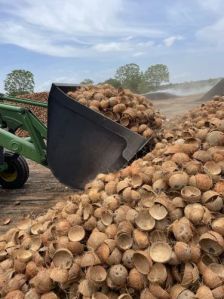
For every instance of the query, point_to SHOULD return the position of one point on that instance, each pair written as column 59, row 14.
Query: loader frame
column 13, row 118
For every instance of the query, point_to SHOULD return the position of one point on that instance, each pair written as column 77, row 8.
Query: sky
column 70, row 40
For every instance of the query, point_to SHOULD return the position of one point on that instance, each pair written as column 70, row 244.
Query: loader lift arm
column 14, row 170
column 13, row 118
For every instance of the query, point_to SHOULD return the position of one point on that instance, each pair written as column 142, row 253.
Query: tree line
column 132, row 77
column 129, row 76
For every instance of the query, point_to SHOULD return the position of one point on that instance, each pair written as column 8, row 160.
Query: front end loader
column 76, row 145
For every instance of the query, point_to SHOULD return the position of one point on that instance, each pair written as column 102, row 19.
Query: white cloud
column 125, row 46
column 127, row 38
column 216, row 6
column 213, row 34
column 70, row 28
column 111, row 47
column 137, row 54
column 169, row 41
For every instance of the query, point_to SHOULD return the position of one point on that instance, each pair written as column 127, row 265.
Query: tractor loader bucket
column 82, row 143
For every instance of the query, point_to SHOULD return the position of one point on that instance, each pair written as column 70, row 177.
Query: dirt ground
column 43, row 190
column 178, row 105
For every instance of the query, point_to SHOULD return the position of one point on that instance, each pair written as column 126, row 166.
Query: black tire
column 17, row 172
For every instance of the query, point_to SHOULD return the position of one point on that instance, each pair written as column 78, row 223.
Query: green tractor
column 77, row 143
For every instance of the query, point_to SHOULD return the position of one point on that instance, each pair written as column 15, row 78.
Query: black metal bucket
column 82, row 143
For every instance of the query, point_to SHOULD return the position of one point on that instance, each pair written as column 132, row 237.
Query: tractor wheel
column 17, row 173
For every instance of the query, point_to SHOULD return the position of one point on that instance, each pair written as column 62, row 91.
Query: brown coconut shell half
column 191, row 194
column 142, row 262
column 212, row 243
column 204, row 292
column 158, row 274
column 76, row 233
column 63, row 258
column 160, row 252
column 158, row 211
column 218, row 225
column 118, row 275
column 144, row 220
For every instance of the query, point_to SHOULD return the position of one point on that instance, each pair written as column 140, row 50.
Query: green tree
column 144, row 86
column 114, row 82
column 156, row 74
column 87, row 82
column 130, row 76
column 19, row 82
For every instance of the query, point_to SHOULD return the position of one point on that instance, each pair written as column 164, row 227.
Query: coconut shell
column 125, row 227
column 182, row 251
column 205, row 261
column 202, row 156
column 204, row 292
column 178, row 180
column 24, row 255
column 215, row 138
column 19, row 266
column 115, row 257
column 218, row 225
column 142, row 262
column 182, row 230
column 218, row 293
column 103, row 252
column 219, row 187
column 63, row 258
column 31, row 269
column 106, row 217
column 97, row 275
column 211, row 279
column 190, row 275
column 76, row 248
column 88, row 259
column 191, row 194
column 180, row 158
column 212, row 200
column 99, row 295
column 59, row 275
column 25, row 224
column 212, row 243
column 192, row 167
column 212, row 168
column 146, row 294
column 125, row 296
column 158, row 211
column 176, row 291
column 136, row 280
column 201, row 181
column 124, row 241
column 158, row 291
column 145, row 221
column 42, row 282
column 118, row 275
column 96, row 239
column 49, row 295
column 140, row 239
column 160, row 252
column 16, row 294
column 86, row 288
column 157, row 274
column 127, row 258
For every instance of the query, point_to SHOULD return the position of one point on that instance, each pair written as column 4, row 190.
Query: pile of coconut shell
column 153, row 230
column 133, row 111
column 40, row 112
